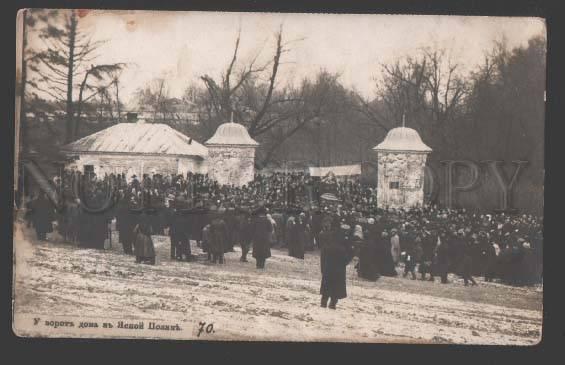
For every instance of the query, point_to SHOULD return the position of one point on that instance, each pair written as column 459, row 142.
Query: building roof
column 233, row 134
column 142, row 138
column 402, row 139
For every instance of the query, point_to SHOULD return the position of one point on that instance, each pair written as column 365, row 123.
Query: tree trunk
column 79, row 103
column 70, row 125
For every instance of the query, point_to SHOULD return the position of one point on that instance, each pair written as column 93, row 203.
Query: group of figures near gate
column 428, row 241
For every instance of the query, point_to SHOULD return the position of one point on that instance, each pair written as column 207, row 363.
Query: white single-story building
column 137, row 149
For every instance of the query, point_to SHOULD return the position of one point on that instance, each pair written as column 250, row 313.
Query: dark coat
column 72, row 219
column 143, row 243
column 297, row 239
column 262, row 233
column 218, row 240
column 125, row 222
column 42, row 213
column 336, row 253
column 179, row 229
column 385, row 263
column 247, row 227
column 198, row 219
column 368, row 256
column 442, row 258
column 467, row 261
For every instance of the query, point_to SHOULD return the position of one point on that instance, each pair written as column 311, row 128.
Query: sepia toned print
column 279, row 177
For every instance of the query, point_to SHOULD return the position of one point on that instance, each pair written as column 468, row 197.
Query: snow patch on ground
column 279, row 303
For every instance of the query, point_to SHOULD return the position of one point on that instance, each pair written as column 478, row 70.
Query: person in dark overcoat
column 231, row 223
column 297, row 239
column 72, row 212
column 368, row 259
column 441, row 258
column 42, row 214
column 179, row 232
column 218, row 238
column 143, row 243
column 428, row 246
column 385, row 261
column 198, row 219
column 124, row 225
column 95, row 222
column 335, row 253
column 246, row 237
column 467, row 263
column 262, row 233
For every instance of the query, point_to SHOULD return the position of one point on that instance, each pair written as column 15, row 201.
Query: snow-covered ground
column 58, row 281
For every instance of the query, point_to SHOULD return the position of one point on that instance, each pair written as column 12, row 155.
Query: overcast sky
column 181, row 46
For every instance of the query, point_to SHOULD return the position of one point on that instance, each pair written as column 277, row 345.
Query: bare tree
column 98, row 73
column 427, row 90
column 67, row 49
column 239, row 92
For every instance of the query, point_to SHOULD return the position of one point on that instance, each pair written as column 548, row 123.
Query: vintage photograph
column 226, row 176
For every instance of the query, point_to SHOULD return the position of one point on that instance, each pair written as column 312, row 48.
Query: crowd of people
column 298, row 212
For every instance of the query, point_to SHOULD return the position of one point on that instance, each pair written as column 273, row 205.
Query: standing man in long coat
column 124, row 225
column 179, row 232
column 297, row 239
column 386, row 264
column 428, row 246
column 467, row 264
column 442, row 258
column 218, row 238
column 368, row 268
column 262, row 233
column 72, row 212
column 336, row 253
column 42, row 214
column 246, row 236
